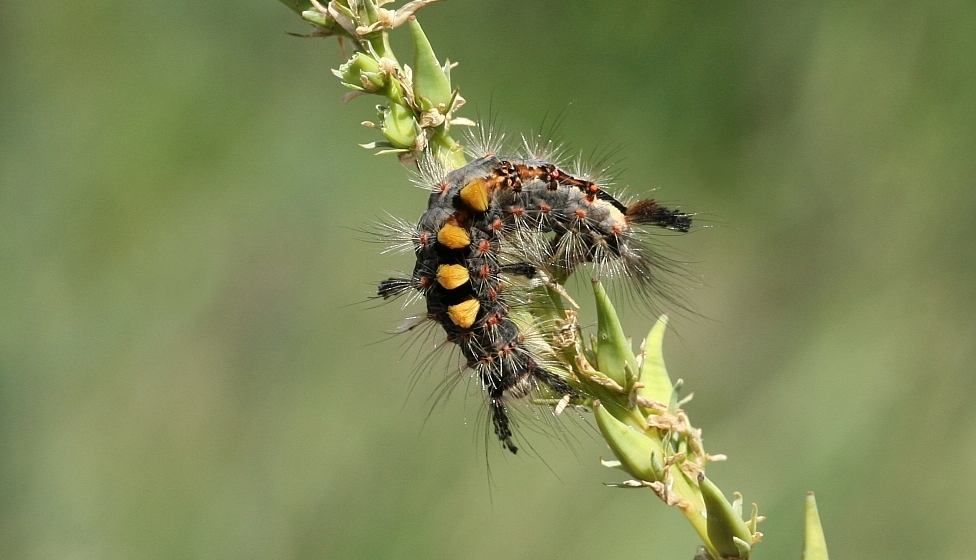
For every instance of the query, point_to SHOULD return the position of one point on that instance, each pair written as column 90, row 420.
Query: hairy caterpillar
column 502, row 216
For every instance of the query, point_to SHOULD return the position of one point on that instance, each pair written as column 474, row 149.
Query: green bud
column 613, row 349
column 369, row 10
column 814, row 543
column 430, row 85
column 638, row 454
column 656, row 465
column 399, row 126
column 343, row 8
column 316, row 17
column 653, row 374
column 362, row 73
column 726, row 529
column 675, row 391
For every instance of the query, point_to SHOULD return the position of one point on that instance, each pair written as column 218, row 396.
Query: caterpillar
column 505, row 216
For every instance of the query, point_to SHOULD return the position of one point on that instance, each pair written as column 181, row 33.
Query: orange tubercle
column 464, row 313
column 452, row 275
column 453, row 237
column 476, row 195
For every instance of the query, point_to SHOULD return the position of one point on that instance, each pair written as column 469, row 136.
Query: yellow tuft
column 464, row 313
column 453, row 237
column 475, row 195
column 452, row 275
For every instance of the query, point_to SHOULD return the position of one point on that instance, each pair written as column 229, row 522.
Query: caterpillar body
column 502, row 216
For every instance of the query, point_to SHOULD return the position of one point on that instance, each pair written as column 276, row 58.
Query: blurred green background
column 182, row 374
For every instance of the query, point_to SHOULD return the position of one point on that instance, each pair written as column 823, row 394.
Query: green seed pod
column 635, row 450
column 613, row 350
column 430, row 85
column 725, row 526
column 399, row 126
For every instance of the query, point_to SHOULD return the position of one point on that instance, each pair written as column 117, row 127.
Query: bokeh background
column 185, row 370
